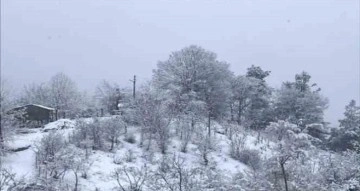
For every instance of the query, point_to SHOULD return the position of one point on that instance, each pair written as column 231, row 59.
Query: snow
column 37, row 105
column 103, row 164
column 44, row 107
column 60, row 124
column 22, row 163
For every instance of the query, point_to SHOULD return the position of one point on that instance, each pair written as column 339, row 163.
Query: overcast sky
column 92, row 40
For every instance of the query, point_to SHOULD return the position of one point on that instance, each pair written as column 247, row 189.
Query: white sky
column 92, row 40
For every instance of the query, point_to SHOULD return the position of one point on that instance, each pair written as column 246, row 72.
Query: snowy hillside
column 98, row 170
column 103, row 164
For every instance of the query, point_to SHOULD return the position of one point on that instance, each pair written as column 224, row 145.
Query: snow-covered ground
column 103, row 164
column 22, row 162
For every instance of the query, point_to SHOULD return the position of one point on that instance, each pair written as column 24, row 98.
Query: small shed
column 36, row 113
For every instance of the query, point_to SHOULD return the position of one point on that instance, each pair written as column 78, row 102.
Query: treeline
column 192, row 84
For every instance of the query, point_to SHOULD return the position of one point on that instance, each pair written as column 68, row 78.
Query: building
column 35, row 113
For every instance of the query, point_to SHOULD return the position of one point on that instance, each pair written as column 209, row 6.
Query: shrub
column 130, row 138
column 237, row 144
column 250, row 157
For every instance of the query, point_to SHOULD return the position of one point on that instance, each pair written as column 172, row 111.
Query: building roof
column 48, row 108
column 37, row 105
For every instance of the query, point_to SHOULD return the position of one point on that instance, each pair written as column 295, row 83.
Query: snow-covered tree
column 3, row 106
column 250, row 99
column 108, row 96
column 194, row 80
column 352, row 116
column 298, row 103
column 206, row 145
column 174, row 175
column 339, row 171
column 113, row 129
column 131, row 178
column 348, row 136
column 290, row 145
column 258, row 113
column 63, row 92
column 242, row 92
column 257, row 72
column 36, row 94
column 9, row 121
column 152, row 112
column 47, row 152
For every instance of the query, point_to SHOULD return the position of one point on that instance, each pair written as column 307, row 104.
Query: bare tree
column 48, row 152
column 113, row 129
column 36, row 94
column 172, row 175
column 237, row 144
column 154, row 117
column 108, row 96
column 64, row 93
column 291, row 144
column 133, row 177
column 206, row 145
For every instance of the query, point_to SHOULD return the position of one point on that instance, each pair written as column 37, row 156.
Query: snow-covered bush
column 340, row 171
column 131, row 178
column 88, row 134
column 8, row 180
column 290, row 145
column 55, row 158
column 8, row 124
column 213, row 179
column 94, row 133
column 47, row 150
column 237, row 144
column 113, row 128
column 206, row 145
column 250, row 157
column 174, row 175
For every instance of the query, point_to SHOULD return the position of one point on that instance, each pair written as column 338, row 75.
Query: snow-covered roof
column 48, row 108
column 37, row 105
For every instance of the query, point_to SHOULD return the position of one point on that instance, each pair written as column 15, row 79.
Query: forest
column 195, row 126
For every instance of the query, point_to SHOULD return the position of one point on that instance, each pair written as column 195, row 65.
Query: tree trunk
column 149, row 143
column 1, row 133
column 239, row 113
column 209, row 124
column 231, row 112
column 284, row 175
column 112, row 144
column 180, row 180
column 206, row 161
column 76, row 181
column 192, row 124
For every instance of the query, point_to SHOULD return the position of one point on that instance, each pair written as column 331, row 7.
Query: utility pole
column 134, row 86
